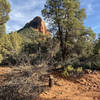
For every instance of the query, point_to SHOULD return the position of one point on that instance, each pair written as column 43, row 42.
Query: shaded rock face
column 38, row 24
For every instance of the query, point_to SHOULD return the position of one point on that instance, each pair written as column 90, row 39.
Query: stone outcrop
column 39, row 25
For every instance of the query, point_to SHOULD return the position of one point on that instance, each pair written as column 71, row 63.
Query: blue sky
column 22, row 11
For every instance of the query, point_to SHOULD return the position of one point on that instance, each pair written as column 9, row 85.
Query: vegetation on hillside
column 77, row 42
column 71, row 43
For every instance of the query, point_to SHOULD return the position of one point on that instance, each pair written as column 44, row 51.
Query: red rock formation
column 38, row 24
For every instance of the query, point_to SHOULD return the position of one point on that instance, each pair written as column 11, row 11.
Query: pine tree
column 97, row 45
column 65, row 18
column 4, row 17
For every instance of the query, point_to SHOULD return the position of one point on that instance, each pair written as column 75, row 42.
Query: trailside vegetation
column 71, row 43
column 66, row 21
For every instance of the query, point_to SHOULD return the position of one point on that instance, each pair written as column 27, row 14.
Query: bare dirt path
column 85, row 88
column 3, row 72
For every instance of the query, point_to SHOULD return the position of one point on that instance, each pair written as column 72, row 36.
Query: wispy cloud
column 25, row 10
column 96, row 27
column 11, row 28
column 90, row 9
column 88, row 4
column 22, row 11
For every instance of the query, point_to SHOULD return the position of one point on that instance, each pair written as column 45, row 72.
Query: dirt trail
column 3, row 73
column 85, row 88
column 5, row 70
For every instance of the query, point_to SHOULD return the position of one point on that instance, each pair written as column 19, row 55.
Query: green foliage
column 10, row 45
column 35, row 45
column 16, row 42
column 37, row 51
column 2, row 29
column 70, row 71
column 4, row 17
column 65, row 18
column 29, row 35
column 1, row 58
column 5, row 45
column 95, row 61
column 69, row 68
column 72, row 43
column 79, row 70
column 32, row 40
column 97, row 46
column 4, row 11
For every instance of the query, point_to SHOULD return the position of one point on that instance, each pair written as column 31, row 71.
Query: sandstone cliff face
column 39, row 25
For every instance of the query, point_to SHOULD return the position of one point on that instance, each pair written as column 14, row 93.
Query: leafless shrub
column 24, row 83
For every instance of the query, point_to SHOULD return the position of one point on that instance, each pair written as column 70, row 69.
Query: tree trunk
column 51, row 81
column 61, row 42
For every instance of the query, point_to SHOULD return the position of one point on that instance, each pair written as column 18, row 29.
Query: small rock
column 88, row 71
column 45, row 92
column 54, row 97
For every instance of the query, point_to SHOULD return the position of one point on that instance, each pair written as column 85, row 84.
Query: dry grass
column 29, row 83
column 23, row 83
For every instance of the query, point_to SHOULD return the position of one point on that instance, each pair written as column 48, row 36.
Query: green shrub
column 1, row 58
column 79, row 70
column 70, row 68
column 96, row 61
column 16, row 42
column 5, row 45
column 10, row 46
column 70, row 71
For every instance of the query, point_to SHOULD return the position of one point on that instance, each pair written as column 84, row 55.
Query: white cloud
column 90, row 9
column 12, row 27
column 89, row 6
column 96, row 27
column 22, row 12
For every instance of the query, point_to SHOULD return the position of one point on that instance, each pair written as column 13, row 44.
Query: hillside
column 34, row 30
column 29, row 34
column 35, row 25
